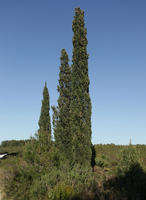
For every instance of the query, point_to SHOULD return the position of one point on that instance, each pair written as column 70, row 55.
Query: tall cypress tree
column 62, row 130
column 44, row 121
column 80, row 101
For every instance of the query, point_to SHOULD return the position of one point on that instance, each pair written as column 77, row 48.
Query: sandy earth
column 1, row 194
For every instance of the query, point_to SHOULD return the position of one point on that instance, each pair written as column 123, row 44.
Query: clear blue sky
column 32, row 34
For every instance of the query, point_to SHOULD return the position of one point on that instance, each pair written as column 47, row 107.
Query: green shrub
column 18, row 185
column 127, row 159
column 61, row 192
column 102, row 161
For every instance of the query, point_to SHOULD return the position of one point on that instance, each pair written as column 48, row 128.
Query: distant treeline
column 12, row 143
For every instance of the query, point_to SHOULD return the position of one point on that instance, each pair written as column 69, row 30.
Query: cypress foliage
column 61, row 115
column 44, row 132
column 80, row 101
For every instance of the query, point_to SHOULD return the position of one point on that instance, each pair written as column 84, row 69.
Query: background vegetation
column 119, row 173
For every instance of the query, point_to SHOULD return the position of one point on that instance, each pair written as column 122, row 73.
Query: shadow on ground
column 130, row 186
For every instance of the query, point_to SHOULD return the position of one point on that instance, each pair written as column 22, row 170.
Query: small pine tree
column 80, row 101
column 62, row 132
column 44, row 131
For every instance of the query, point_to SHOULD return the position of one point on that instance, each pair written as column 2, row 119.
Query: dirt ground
column 1, row 193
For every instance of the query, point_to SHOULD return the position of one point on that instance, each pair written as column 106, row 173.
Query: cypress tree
column 62, row 131
column 80, row 101
column 44, row 131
